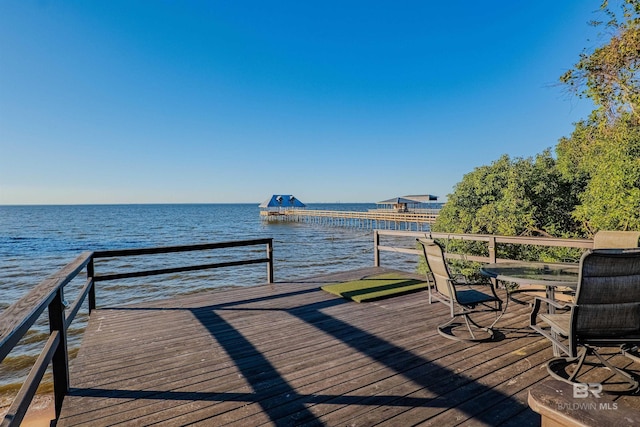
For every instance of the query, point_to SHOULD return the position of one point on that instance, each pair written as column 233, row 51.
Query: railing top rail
column 179, row 248
column 364, row 214
column 549, row 241
column 523, row 240
column 16, row 320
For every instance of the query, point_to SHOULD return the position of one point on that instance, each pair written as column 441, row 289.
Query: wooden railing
column 492, row 242
column 16, row 320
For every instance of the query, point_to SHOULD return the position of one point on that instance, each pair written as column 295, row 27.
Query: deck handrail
column 16, row 320
column 491, row 239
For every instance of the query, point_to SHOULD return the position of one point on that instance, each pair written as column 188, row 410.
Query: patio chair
column 606, row 313
column 462, row 302
column 604, row 239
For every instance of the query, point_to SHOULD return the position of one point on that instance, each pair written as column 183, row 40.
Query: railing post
column 270, row 262
column 376, row 251
column 60, row 360
column 492, row 249
column 92, row 291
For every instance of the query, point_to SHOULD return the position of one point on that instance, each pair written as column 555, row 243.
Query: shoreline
column 40, row 413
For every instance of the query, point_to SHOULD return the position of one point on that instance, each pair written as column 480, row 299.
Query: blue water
column 36, row 241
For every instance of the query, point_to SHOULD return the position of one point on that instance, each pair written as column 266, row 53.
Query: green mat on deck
column 376, row 287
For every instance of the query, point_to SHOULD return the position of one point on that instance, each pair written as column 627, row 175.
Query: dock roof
column 282, row 201
column 420, row 198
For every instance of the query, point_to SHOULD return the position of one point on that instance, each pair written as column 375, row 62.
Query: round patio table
column 533, row 273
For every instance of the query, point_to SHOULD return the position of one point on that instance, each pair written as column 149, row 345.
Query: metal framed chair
column 462, row 302
column 604, row 239
column 606, row 313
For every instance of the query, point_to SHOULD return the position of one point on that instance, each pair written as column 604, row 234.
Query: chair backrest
column 608, row 294
column 616, row 239
column 434, row 255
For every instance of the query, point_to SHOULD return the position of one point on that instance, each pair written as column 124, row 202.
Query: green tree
column 512, row 197
column 519, row 197
column 609, row 74
column 602, row 156
column 603, row 162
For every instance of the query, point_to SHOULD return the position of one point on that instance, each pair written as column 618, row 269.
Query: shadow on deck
column 291, row 354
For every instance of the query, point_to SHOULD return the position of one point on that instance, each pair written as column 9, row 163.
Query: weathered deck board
column 291, row 354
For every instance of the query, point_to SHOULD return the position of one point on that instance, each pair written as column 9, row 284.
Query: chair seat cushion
column 471, row 296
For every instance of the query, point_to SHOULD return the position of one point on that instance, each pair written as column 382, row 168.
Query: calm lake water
column 36, row 241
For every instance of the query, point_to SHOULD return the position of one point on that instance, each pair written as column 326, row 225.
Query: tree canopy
column 604, row 164
column 593, row 182
column 511, row 197
column 609, row 73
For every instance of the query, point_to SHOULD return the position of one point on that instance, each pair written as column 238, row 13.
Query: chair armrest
column 538, row 303
column 533, row 317
column 556, row 304
column 459, row 278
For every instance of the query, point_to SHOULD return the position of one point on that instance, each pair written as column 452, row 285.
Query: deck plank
column 291, row 354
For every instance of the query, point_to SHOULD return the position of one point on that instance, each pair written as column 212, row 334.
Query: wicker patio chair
column 462, row 302
column 606, row 313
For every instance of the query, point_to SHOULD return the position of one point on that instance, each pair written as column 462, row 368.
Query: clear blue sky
column 232, row 101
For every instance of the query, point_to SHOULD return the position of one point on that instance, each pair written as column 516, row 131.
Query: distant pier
column 382, row 219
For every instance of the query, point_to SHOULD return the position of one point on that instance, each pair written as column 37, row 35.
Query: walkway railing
column 376, row 219
column 16, row 320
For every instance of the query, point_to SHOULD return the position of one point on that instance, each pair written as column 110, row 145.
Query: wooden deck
column 290, row 354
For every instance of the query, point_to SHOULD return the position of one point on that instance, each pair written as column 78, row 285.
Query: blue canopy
column 282, row 201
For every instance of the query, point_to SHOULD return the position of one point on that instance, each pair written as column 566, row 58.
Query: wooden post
column 376, row 251
column 60, row 360
column 492, row 249
column 270, row 263
column 92, row 291
column 492, row 259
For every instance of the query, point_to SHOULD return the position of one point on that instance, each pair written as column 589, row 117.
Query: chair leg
column 481, row 333
column 630, row 351
column 558, row 364
column 466, row 320
column 563, row 361
column 629, row 379
column 500, row 311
